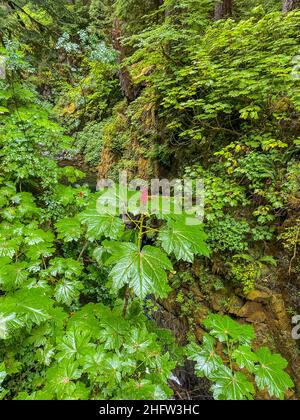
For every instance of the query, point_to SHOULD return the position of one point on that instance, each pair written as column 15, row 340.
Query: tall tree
column 289, row 5
column 223, row 9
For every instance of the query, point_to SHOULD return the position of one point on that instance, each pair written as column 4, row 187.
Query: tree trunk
column 289, row 5
column 223, row 9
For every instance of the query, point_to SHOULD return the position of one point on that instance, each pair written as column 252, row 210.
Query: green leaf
column 112, row 332
column 9, row 247
column 183, row 240
column 61, row 377
column 139, row 342
column 206, row 358
column 2, row 373
column 74, row 345
column 8, row 322
column 14, row 275
column 35, row 252
column 232, row 386
column 244, row 357
column 224, row 328
column 270, row 374
column 32, row 306
column 144, row 271
column 3, row 110
column 67, row 291
column 67, row 267
column 102, row 225
column 69, row 229
column 37, row 236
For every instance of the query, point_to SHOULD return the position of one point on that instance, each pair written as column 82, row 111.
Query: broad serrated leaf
column 9, row 322
column 183, row 240
column 9, row 247
column 143, row 270
column 67, row 291
column 69, row 229
column 37, row 236
column 13, row 275
column 270, row 374
column 224, row 328
column 35, row 252
column 67, row 267
column 231, row 386
column 74, row 345
column 61, row 377
column 102, row 225
column 206, row 358
column 31, row 305
column 139, row 341
column 244, row 357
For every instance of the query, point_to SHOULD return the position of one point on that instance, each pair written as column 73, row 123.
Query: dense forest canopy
column 137, row 304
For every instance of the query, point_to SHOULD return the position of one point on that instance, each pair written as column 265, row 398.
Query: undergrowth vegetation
column 159, row 89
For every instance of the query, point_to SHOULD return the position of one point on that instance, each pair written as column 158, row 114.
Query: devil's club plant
column 227, row 359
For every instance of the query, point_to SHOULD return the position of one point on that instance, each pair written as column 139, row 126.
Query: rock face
column 253, row 312
column 259, row 296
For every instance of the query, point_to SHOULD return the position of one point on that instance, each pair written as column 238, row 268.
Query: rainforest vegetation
column 140, row 305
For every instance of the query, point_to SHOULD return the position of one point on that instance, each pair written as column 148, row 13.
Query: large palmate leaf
column 13, row 275
column 112, row 328
column 224, row 328
column 9, row 247
column 66, row 291
column 231, row 385
column 182, row 239
column 143, row 270
column 69, row 229
column 67, row 267
column 102, row 225
column 37, row 251
column 74, row 345
column 32, row 306
column 61, row 378
column 8, row 322
column 270, row 373
column 206, row 358
column 245, row 358
column 37, row 236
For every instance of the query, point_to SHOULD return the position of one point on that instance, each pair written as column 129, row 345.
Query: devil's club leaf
column 270, row 373
column 224, row 328
column 13, row 275
column 206, row 358
column 245, row 358
column 67, row 291
column 37, row 236
column 183, row 240
column 74, row 345
column 8, row 322
column 35, row 252
column 99, row 225
column 144, row 271
column 69, row 229
column 67, row 267
column 61, row 377
column 231, row 385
